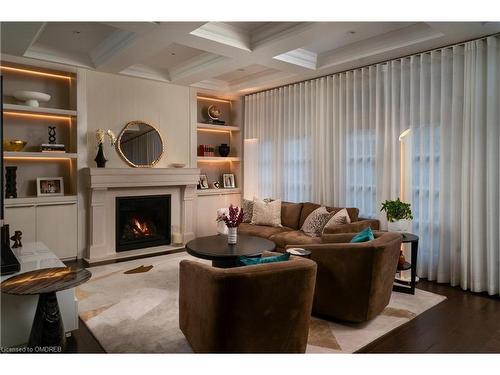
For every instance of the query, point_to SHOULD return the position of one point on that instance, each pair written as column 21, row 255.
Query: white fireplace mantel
column 107, row 183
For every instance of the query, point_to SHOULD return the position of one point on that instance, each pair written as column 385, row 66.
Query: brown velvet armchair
column 262, row 308
column 354, row 280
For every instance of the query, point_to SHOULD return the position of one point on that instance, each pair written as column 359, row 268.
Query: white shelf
column 229, row 128
column 221, row 191
column 218, row 158
column 19, row 108
column 39, row 155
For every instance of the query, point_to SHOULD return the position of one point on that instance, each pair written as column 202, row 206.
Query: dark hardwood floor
column 464, row 323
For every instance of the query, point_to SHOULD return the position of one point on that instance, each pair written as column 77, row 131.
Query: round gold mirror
column 140, row 144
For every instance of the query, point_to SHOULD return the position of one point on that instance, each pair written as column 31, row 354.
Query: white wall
column 114, row 100
column 110, row 101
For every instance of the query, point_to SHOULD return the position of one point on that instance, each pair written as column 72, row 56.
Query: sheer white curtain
column 334, row 140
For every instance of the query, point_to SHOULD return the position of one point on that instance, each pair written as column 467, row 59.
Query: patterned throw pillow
column 247, row 207
column 341, row 217
column 316, row 221
column 266, row 213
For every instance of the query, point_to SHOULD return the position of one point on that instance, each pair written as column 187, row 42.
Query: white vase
column 232, row 235
column 398, row 226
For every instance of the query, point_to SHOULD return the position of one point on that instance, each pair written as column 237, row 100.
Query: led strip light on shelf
column 38, row 116
column 34, row 72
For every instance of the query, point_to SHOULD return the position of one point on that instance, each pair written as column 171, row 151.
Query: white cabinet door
column 56, row 227
column 22, row 218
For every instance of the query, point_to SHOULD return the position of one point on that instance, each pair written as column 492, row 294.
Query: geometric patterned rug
column 132, row 307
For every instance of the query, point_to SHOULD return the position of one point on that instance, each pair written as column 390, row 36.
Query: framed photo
column 228, row 180
column 49, row 186
column 216, row 185
column 203, row 182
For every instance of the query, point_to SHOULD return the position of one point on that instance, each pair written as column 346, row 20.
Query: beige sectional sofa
column 293, row 216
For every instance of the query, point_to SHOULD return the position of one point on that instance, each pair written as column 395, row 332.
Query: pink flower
column 235, row 217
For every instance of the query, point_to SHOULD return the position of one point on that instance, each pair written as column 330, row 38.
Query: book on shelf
column 53, row 147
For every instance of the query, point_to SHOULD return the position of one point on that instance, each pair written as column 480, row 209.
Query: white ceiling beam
column 405, row 37
column 143, row 71
column 18, row 37
column 127, row 50
column 225, row 34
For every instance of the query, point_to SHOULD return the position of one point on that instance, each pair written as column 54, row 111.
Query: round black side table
column 406, row 287
column 47, row 331
column 224, row 255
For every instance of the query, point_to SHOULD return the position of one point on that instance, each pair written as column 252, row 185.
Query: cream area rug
column 132, row 307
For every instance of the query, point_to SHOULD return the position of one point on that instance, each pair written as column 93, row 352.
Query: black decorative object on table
column 52, row 134
column 47, row 332
column 409, row 287
column 17, row 239
column 10, row 182
column 224, row 150
column 100, row 160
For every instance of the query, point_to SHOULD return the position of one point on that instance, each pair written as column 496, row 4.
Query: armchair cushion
column 364, row 236
column 246, row 261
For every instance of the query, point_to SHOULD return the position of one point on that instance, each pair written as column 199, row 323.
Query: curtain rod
column 378, row 63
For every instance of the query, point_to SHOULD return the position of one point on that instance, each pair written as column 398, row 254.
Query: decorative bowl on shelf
column 13, row 144
column 32, row 98
column 178, row 165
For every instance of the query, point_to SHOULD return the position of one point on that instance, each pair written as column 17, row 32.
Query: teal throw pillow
column 363, row 236
column 244, row 261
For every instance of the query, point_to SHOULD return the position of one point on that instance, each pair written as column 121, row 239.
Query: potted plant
column 398, row 213
column 233, row 220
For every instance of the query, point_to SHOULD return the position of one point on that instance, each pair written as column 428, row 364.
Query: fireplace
column 142, row 221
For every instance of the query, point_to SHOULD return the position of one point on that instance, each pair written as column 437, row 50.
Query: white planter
column 232, row 235
column 398, row 226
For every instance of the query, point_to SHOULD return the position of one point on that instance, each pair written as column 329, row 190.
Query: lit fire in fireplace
column 140, row 229
column 137, row 228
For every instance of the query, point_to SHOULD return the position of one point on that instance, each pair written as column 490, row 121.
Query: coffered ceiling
column 233, row 58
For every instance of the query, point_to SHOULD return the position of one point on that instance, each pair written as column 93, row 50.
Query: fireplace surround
column 106, row 184
column 142, row 221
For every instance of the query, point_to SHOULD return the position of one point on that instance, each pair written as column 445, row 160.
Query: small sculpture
column 52, row 135
column 10, row 182
column 17, row 239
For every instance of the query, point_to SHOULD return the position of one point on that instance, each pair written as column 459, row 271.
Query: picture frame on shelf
column 216, row 185
column 228, row 181
column 49, row 186
column 203, row 182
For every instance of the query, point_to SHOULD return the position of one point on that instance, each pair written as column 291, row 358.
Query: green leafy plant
column 397, row 210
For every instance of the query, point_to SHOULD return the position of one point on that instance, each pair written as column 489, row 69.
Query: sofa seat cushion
column 263, row 231
column 295, row 237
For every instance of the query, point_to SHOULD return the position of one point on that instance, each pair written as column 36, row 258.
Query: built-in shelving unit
column 31, row 124
column 42, row 218
column 211, row 133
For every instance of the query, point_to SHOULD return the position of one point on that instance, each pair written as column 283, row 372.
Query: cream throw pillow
column 316, row 221
column 266, row 213
column 341, row 217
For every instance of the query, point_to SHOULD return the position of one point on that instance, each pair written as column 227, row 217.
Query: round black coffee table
column 47, row 332
column 223, row 255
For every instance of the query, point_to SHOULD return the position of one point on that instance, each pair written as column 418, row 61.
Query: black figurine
column 17, row 239
column 10, row 182
column 52, row 135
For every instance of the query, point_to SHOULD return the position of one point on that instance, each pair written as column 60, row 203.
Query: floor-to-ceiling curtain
column 335, row 140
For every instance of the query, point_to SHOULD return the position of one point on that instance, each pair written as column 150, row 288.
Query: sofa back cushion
column 290, row 214
column 309, row 207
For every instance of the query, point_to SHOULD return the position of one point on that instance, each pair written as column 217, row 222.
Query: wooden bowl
column 13, row 145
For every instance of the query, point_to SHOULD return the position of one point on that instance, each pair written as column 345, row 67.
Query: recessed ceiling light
column 241, row 70
column 172, row 53
column 76, row 32
column 352, row 32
